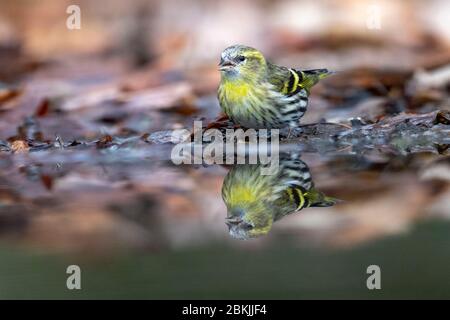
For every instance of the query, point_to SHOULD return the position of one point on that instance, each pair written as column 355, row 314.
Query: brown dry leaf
column 442, row 117
column 8, row 94
column 43, row 108
column 105, row 141
column 186, row 109
column 164, row 97
column 47, row 181
column 93, row 97
column 20, row 146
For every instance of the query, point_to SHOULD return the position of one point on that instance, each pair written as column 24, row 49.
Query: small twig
column 332, row 123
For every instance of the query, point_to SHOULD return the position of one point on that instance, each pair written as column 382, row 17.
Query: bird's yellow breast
column 242, row 194
column 235, row 91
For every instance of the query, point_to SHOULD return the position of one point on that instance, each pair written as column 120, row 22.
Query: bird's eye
column 240, row 58
column 247, row 226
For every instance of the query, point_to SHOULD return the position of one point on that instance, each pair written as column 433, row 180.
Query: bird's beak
column 226, row 64
column 230, row 221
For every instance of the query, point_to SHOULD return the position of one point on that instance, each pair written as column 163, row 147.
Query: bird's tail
column 318, row 199
column 311, row 77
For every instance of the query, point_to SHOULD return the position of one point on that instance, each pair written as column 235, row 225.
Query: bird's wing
column 299, row 186
column 308, row 78
column 291, row 81
column 278, row 77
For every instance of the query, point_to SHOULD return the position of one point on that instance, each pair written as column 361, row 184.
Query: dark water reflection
column 95, row 207
column 134, row 198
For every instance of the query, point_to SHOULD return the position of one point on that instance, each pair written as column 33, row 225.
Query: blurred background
column 85, row 172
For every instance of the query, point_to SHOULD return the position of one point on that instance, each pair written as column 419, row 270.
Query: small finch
column 255, row 93
column 255, row 201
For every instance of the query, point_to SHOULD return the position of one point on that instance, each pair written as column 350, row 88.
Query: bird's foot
column 289, row 133
column 294, row 132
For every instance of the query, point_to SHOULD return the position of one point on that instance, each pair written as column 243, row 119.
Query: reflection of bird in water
column 255, row 201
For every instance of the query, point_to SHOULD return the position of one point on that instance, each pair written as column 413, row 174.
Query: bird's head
column 250, row 222
column 240, row 61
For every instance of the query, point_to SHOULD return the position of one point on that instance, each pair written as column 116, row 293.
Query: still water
column 141, row 227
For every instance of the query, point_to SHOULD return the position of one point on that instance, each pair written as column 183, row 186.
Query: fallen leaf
column 43, row 108
column 8, row 94
column 19, row 146
column 47, row 181
column 105, row 141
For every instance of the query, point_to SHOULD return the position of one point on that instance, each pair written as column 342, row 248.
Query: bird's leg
column 289, row 133
column 218, row 123
column 221, row 117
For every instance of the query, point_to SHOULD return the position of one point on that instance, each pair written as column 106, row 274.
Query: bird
column 255, row 201
column 255, row 93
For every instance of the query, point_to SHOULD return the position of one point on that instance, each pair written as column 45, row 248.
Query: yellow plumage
column 236, row 91
column 255, row 201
